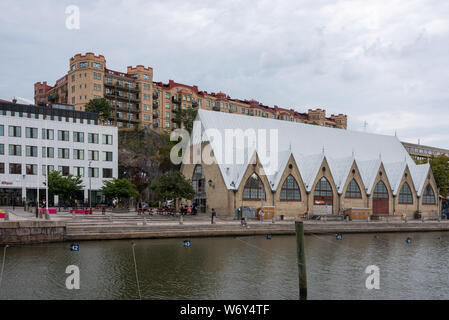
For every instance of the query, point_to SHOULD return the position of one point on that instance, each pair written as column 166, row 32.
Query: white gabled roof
column 340, row 169
column 395, row 172
column 419, row 175
column 368, row 170
column 275, row 179
column 309, row 145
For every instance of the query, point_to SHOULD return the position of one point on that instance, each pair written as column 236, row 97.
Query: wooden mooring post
column 302, row 274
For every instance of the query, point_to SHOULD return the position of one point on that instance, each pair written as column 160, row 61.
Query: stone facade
column 225, row 201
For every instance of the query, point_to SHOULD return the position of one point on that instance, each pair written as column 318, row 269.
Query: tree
column 187, row 116
column 119, row 188
column 440, row 169
column 65, row 187
column 173, row 185
column 100, row 106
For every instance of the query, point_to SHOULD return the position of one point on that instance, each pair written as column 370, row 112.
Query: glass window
column 15, row 150
column 15, row 168
column 78, row 154
column 15, row 131
column 63, row 153
column 107, row 139
column 78, row 137
column 63, row 135
column 78, row 171
column 65, row 170
column 353, row 190
column 2, row 149
column 31, row 151
column 50, row 154
column 107, row 173
column 31, row 169
column 254, row 189
column 2, row 168
column 380, row 191
column 290, row 190
column 107, row 156
column 93, row 172
column 429, row 195
column 323, row 188
column 2, row 130
column 31, row 133
column 48, row 134
column 93, row 137
column 93, row 155
column 405, row 196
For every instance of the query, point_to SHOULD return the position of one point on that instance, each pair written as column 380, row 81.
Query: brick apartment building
column 138, row 100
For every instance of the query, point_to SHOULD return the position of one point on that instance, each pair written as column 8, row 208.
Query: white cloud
column 383, row 61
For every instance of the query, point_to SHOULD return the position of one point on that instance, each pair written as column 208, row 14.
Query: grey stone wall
column 27, row 232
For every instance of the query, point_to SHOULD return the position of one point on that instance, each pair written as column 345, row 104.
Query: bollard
column 368, row 219
column 6, row 216
column 110, row 217
column 273, row 220
column 47, row 216
column 422, row 219
column 144, row 221
column 181, row 220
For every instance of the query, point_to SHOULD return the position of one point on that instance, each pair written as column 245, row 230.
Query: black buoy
column 409, row 240
column 187, row 243
column 339, row 236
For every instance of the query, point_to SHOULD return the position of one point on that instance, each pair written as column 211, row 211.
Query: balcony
column 155, row 95
column 116, row 85
column 176, row 100
column 175, row 109
column 116, row 96
column 155, row 104
column 155, row 114
column 194, row 104
column 155, row 124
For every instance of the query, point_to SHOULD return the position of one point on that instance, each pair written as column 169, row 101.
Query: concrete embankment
column 202, row 230
column 28, row 231
column 33, row 231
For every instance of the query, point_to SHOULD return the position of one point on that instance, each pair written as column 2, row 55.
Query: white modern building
column 72, row 142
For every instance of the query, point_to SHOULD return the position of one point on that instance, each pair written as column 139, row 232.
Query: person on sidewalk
column 213, row 216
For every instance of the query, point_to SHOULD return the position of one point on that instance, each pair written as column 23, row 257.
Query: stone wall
column 26, row 232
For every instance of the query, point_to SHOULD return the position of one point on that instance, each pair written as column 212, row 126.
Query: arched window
column 254, row 189
column 429, row 195
column 405, row 196
column 353, row 190
column 198, row 180
column 323, row 188
column 290, row 190
column 380, row 191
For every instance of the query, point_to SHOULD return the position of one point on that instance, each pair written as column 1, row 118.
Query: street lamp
column 90, row 187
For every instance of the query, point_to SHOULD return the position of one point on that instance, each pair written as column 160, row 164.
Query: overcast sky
column 383, row 62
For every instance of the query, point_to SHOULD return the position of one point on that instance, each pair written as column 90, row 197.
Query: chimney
column 14, row 100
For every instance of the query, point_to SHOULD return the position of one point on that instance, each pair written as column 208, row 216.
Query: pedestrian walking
column 213, row 216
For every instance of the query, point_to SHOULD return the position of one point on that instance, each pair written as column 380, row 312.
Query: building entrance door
column 199, row 185
column 323, row 199
column 380, row 199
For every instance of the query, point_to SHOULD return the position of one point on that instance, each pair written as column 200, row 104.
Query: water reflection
column 233, row 268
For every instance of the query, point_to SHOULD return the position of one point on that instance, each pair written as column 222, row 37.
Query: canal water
column 233, row 268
